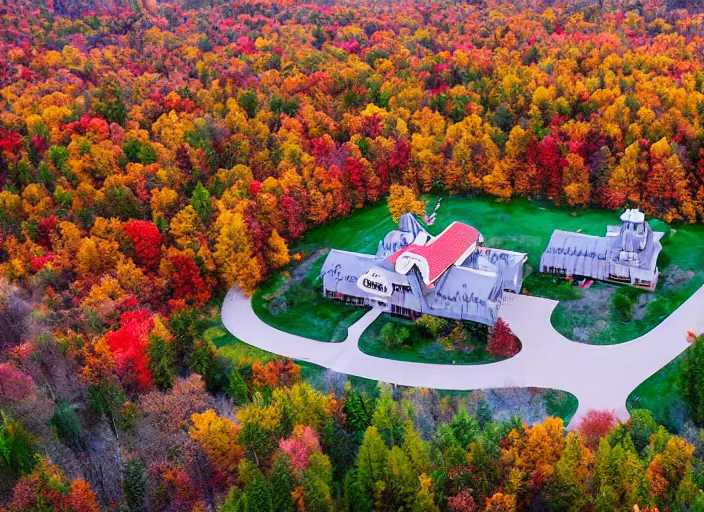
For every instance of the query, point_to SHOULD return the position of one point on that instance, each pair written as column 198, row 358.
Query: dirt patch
column 277, row 300
column 593, row 306
column 301, row 270
column 641, row 307
column 675, row 277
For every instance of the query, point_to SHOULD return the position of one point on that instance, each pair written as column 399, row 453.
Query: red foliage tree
column 294, row 219
column 45, row 228
column 14, row 385
column 47, row 488
column 128, row 345
column 147, row 242
column 502, row 341
column 275, row 374
column 550, row 165
column 462, row 502
column 594, row 425
column 186, row 280
column 254, row 187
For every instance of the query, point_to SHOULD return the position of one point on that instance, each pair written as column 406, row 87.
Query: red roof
column 443, row 251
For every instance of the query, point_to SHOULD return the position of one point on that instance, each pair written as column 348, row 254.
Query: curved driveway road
column 600, row 376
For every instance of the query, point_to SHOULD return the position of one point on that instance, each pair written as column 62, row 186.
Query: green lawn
column 561, row 404
column 421, row 347
column 661, row 395
column 292, row 300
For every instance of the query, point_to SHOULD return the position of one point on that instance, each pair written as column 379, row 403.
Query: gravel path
column 600, row 376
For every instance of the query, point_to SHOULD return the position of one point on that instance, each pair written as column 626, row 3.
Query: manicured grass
column 661, row 395
column 235, row 349
column 561, row 404
column 292, row 300
column 420, row 346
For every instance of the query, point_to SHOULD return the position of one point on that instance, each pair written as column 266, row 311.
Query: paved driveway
column 601, row 377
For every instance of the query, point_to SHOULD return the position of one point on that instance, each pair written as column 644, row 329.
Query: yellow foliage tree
column 96, row 256
column 575, row 180
column 402, row 200
column 218, row 438
column 278, row 255
column 233, row 254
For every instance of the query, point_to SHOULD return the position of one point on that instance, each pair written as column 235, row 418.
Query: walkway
column 601, row 377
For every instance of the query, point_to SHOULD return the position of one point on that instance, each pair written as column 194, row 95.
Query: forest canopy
column 154, row 154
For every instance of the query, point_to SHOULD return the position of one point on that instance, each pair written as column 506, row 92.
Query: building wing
column 451, row 247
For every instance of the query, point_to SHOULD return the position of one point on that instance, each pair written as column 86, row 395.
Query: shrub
column 433, row 325
column 393, row 336
column 623, row 302
column 502, row 342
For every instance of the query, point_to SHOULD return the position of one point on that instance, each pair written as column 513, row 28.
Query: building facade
column 414, row 273
column 628, row 253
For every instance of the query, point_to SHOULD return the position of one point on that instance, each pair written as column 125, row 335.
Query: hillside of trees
column 154, row 154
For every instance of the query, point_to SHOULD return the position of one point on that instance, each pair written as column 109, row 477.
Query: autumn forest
column 153, row 154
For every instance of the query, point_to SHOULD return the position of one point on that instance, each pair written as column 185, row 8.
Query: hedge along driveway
column 292, row 300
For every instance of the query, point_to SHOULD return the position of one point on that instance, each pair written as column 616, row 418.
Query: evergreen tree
column 691, row 379
column 258, row 491
column 237, row 387
column 569, row 487
column 641, row 426
column 340, row 445
column 17, row 448
column 282, row 482
column 401, row 485
column 161, row 362
column 464, row 427
column 355, row 496
column 359, row 409
column 372, row 463
column 387, row 421
column 204, row 361
column 484, row 414
column 415, row 449
column 134, row 486
column 67, row 424
column 236, row 501
column 317, row 479
column 202, row 204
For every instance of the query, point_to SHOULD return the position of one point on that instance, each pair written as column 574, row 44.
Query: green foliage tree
column 108, row 103
column 161, row 362
column 250, row 103
column 282, row 482
column 237, row 387
column 202, row 203
column 204, row 361
column 387, row 420
column 415, row 449
column 67, row 424
column 691, row 379
column 17, row 448
column 464, row 427
column 484, row 414
column 134, row 486
column 317, row 479
column 359, row 409
column 372, row 464
column 258, row 491
column 393, row 336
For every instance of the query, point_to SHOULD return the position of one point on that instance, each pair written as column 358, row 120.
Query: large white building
column 451, row 275
column 628, row 253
